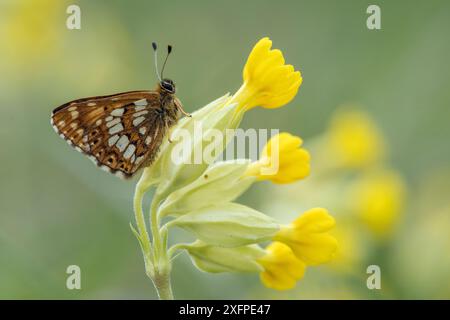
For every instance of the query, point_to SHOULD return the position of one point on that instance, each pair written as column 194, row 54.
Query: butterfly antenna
column 169, row 50
column 155, row 49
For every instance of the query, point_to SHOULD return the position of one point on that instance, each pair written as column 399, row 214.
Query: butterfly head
column 167, row 86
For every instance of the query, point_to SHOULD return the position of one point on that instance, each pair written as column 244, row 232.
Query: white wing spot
column 114, row 99
column 138, row 121
column 111, row 123
column 72, row 109
column 105, row 168
column 148, row 140
column 91, row 104
column 73, row 125
column 62, row 123
column 142, row 130
column 130, row 151
column 119, row 174
column 139, row 160
column 122, row 143
column 113, row 140
column 141, row 103
column 109, row 118
column 117, row 112
column 74, row 114
column 141, row 113
column 117, row 128
column 133, row 157
column 98, row 122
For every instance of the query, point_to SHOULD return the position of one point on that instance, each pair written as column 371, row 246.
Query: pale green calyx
column 216, row 259
column 222, row 182
column 228, row 225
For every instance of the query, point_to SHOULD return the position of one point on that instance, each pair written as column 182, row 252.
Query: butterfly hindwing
column 121, row 133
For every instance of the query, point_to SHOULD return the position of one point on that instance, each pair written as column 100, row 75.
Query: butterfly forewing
column 121, row 133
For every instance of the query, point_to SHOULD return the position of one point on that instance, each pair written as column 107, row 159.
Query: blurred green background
column 57, row 209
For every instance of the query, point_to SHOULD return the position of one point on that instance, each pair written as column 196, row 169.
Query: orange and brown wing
column 120, row 132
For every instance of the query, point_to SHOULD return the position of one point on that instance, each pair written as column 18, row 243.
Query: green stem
column 162, row 265
column 177, row 247
column 140, row 221
column 154, row 223
column 163, row 286
column 156, row 259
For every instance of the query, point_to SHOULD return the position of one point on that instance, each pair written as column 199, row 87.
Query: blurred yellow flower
column 378, row 198
column 291, row 163
column 268, row 82
column 354, row 139
column 309, row 238
column 349, row 253
column 30, row 32
column 282, row 269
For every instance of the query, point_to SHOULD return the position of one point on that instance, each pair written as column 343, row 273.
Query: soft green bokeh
column 57, row 209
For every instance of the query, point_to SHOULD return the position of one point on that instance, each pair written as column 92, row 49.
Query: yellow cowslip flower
column 282, row 269
column 308, row 236
column 354, row 140
column 377, row 198
column 282, row 160
column 30, row 32
column 268, row 81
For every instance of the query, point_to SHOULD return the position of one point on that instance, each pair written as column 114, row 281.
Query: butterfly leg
column 169, row 131
column 180, row 107
column 185, row 113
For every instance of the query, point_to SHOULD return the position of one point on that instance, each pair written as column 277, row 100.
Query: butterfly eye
column 168, row 86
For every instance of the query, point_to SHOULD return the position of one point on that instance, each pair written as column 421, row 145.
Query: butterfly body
column 122, row 132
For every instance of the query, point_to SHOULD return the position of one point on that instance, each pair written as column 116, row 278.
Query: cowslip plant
column 199, row 196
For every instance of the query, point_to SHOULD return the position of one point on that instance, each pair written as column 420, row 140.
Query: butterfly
column 122, row 132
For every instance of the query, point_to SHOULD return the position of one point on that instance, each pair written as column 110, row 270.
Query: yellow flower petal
column 282, row 160
column 308, row 237
column 268, row 82
column 282, row 269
